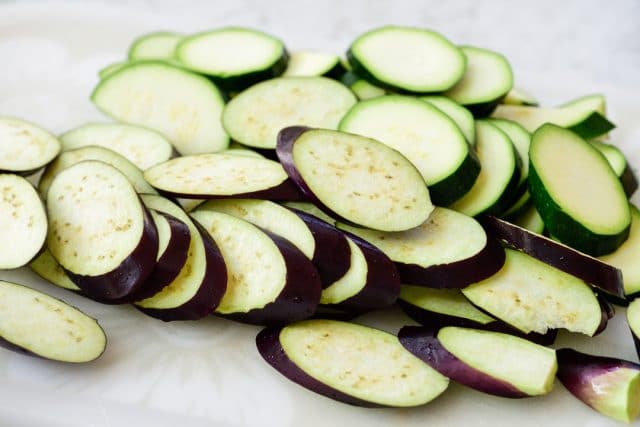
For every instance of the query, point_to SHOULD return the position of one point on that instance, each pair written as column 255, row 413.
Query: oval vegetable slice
column 312, row 64
column 449, row 250
column 157, row 45
column 23, row 222
column 45, row 266
column 183, row 106
column 581, row 199
column 424, row 135
column 354, row 178
column 36, row 324
column 222, row 175
column 255, row 116
column 25, row 147
column 407, row 59
column 350, row 363
column 142, row 147
column 620, row 166
column 492, row 362
column 362, row 88
column 633, row 320
column 517, row 96
column 100, row 232
column 460, row 115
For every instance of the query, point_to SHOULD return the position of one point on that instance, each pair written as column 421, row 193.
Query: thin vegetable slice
column 350, row 363
column 620, row 166
column 157, row 45
column 354, row 178
column 530, row 220
column 633, row 320
column 25, row 147
column 313, row 64
column 517, row 96
column 45, row 266
column 362, row 88
column 457, row 113
column 311, row 209
column 521, row 140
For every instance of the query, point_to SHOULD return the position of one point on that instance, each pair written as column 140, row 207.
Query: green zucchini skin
column 484, row 109
column 629, row 181
column 456, row 185
column 592, row 126
column 234, row 84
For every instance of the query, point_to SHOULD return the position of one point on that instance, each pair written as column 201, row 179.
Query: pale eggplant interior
column 615, row 393
column 25, row 147
column 633, row 316
column 450, row 302
column 48, row 268
column 353, row 281
column 164, row 232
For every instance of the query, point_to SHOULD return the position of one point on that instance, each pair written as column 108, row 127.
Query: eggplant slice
column 25, row 147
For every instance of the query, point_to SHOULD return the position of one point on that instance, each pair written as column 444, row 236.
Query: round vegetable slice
column 424, row 135
column 111, row 68
column 184, row 107
column 521, row 140
column 25, row 147
column 36, row 324
column 517, row 96
column 157, row 45
column 350, row 363
column 460, row 115
column 45, row 266
column 310, row 209
column 354, row 178
column 449, row 250
column 100, row 232
column 222, row 175
column 581, row 200
column 23, row 222
column 362, row 88
column 142, row 147
column 407, row 59
column 311, row 64
column 633, row 320
column 255, row 116
column 620, row 166
column 234, row 58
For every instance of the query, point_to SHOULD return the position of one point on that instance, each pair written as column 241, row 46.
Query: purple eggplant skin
column 629, row 181
column 170, row 262
column 423, row 343
column 286, row 191
column 439, row 320
column 298, row 299
column 121, row 284
column 332, row 255
column 457, row 274
column 593, row 271
column 269, row 347
column 210, row 291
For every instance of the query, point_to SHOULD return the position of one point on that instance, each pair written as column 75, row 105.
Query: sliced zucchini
column 493, row 191
column 577, row 194
column 255, row 116
column 633, row 320
column 183, row 106
column 521, row 140
column 460, row 115
column 107, row 70
column 517, row 96
column 362, row 88
column 356, row 179
column 314, row 64
column 234, row 58
column 486, row 81
column 158, row 45
column 535, row 297
column 530, row 220
column 45, row 266
column 143, row 147
column 519, row 207
column 25, row 147
column 407, row 59
column 620, row 166
column 424, row 135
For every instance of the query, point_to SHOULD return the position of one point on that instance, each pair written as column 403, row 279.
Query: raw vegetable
column 313, row 64
column 362, row 88
column 517, row 96
column 25, row 147
column 620, row 166
column 45, row 266
column 457, row 113
column 157, row 45
column 633, row 319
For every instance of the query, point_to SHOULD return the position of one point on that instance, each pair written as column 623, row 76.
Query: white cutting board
column 209, row 372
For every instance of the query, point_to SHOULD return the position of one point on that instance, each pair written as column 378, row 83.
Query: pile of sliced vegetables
column 298, row 191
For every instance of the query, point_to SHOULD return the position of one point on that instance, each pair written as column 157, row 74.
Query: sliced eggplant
column 255, row 116
column 605, row 277
column 25, row 147
column 311, row 209
column 183, row 106
column 221, row 175
column 486, row 81
column 142, row 147
column 36, row 324
column 350, row 363
column 72, row 157
column 517, row 96
column 270, row 281
column 198, row 289
column 233, row 57
column 50, row 270
column 633, row 320
column 495, row 188
column 620, row 166
column 189, row 205
column 157, row 45
column 23, row 222
column 449, row 250
column 100, row 232
column 535, row 297
column 457, row 113
column 608, row 385
column 355, row 179
column 407, row 59
column 424, row 135
column 581, row 201
column 314, row 64
column 491, row 362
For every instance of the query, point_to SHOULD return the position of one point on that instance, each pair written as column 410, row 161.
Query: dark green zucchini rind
column 456, row 185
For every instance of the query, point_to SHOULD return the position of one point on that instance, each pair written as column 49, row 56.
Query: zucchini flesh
column 530, row 220
column 626, row 257
column 353, row 281
column 581, row 201
column 311, row 63
column 25, row 147
column 362, row 88
column 460, row 115
column 517, row 96
column 158, row 45
column 521, row 140
column 620, row 166
column 633, row 320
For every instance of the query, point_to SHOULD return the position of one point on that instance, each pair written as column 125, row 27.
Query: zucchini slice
column 456, row 112
column 314, row 64
column 107, row 70
column 494, row 189
column 234, row 58
column 39, row 325
column 576, row 192
column 25, row 147
column 142, row 147
column 362, row 88
column 633, row 320
column 350, row 363
column 184, row 107
column 407, row 59
column 255, row 116
column 521, row 140
column 424, row 135
column 517, row 96
column 486, row 81
column 449, row 250
column 355, row 179
column 23, row 222
column 620, row 166
column 530, row 220
column 535, row 297
column 157, row 45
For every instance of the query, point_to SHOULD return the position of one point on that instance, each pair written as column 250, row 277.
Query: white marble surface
column 208, row 372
